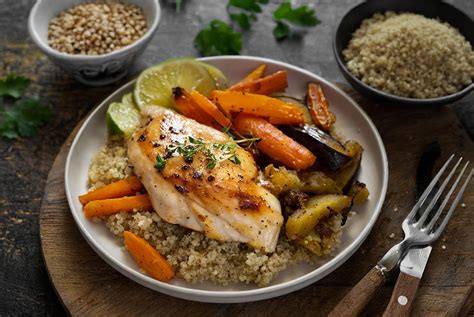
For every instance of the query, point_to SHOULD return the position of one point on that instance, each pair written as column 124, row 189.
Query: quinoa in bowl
column 411, row 56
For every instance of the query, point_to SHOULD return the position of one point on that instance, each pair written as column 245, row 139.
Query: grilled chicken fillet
column 223, row 202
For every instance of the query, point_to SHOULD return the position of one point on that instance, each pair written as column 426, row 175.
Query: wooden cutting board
column 87, row 285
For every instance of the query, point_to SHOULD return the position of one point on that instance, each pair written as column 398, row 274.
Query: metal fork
column 418, row 231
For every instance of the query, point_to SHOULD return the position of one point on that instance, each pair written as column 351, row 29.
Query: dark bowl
column 431, row 9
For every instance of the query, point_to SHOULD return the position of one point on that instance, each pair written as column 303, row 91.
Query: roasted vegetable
column 296, row 102
column 254, row 75
column 314, row 182
column 312, row 242
column 274, row 143
column 264, row 86
column 359, row 193
column 319, row 107
column 330, row 152
column 301, row 222
column 276, row 111
column 345, row 175
column 318, row 183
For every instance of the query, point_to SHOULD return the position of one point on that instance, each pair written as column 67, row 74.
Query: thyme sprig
column 215, row 153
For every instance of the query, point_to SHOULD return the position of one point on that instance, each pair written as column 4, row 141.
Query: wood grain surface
column 88, row 286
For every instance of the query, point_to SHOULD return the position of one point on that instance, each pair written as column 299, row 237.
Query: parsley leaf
column 242, row 19
column 179, row 3
column 247, row 5
column 281, row 31
column 13, row 85
column 301, row 16
column 23, row 119
column 218, row 38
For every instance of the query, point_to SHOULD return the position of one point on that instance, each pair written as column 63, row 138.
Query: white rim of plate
column 282, row 288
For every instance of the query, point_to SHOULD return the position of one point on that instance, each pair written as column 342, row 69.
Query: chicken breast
column 223, row 201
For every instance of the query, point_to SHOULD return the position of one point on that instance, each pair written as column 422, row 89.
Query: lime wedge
column 219, row 78
column 122, row 118
column 154, row 85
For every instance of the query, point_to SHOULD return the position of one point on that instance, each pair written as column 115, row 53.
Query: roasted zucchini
column 302, row 221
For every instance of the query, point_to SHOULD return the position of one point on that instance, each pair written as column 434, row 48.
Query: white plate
column 352, row 123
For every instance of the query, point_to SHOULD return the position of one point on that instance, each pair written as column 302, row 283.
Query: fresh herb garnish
column 25, row 116
column 244, row 11
column 160, row 163
column 301, row 16
column 13, row 85
column 214, row 153
column 218, row 38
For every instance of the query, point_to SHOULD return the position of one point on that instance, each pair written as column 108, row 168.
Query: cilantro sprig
column 24, row 117
column 220, row 38
column 13, row 85
column 214, row 153
column 301, row 16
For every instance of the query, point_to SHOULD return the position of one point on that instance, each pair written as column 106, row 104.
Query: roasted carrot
column 319, row 107
column 274, row 143
column 210, row 108
column 125, row 187
column 106, row 207
column 266, row 85
column 277, row 111
column 254, row 75
column 147, row 257
column 188, row 108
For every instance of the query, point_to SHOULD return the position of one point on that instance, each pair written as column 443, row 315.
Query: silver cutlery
column 420, row 229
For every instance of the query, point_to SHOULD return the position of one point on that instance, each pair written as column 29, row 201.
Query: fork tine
column 433, row 201
column 428, row 190
column 446, row 199
column 456, row 201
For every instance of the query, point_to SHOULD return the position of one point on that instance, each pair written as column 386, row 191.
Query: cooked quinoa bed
column 193, row 256
column 410, row 55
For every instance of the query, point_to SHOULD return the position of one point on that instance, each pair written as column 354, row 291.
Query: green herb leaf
column 218, row 38
column 302, row 16
column 281, row 31
column 160, row 163
column 247, row 5
column 13, row 85
column 242, row 19
column 23, row 119
column 234, row 159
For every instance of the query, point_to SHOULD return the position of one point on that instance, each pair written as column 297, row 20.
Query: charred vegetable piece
column 301, row 222
column 294, row 200
column 274, row 143
column 264, row 86
column 299, row 103
column 318, row 183
column 319, row 107
column 359, row 193
column 330, row 152
column 345, row 175
column 281, row 179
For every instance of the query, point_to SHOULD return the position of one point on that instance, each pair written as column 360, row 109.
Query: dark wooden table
column 24, row 165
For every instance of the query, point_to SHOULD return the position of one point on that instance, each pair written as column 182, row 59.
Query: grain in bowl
column 96, row 28
column 409, row 55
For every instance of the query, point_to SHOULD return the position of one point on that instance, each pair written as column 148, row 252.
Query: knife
column 414, row 262
column 411, row 270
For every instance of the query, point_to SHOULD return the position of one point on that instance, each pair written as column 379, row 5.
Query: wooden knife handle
column 360, row 295
column 403, row 296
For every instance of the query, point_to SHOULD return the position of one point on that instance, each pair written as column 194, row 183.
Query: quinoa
column 410, row 55
column 193, row 256
column 96, row 28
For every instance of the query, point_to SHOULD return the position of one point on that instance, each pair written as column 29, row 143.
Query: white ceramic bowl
column 94, row 70
column 352, row 123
